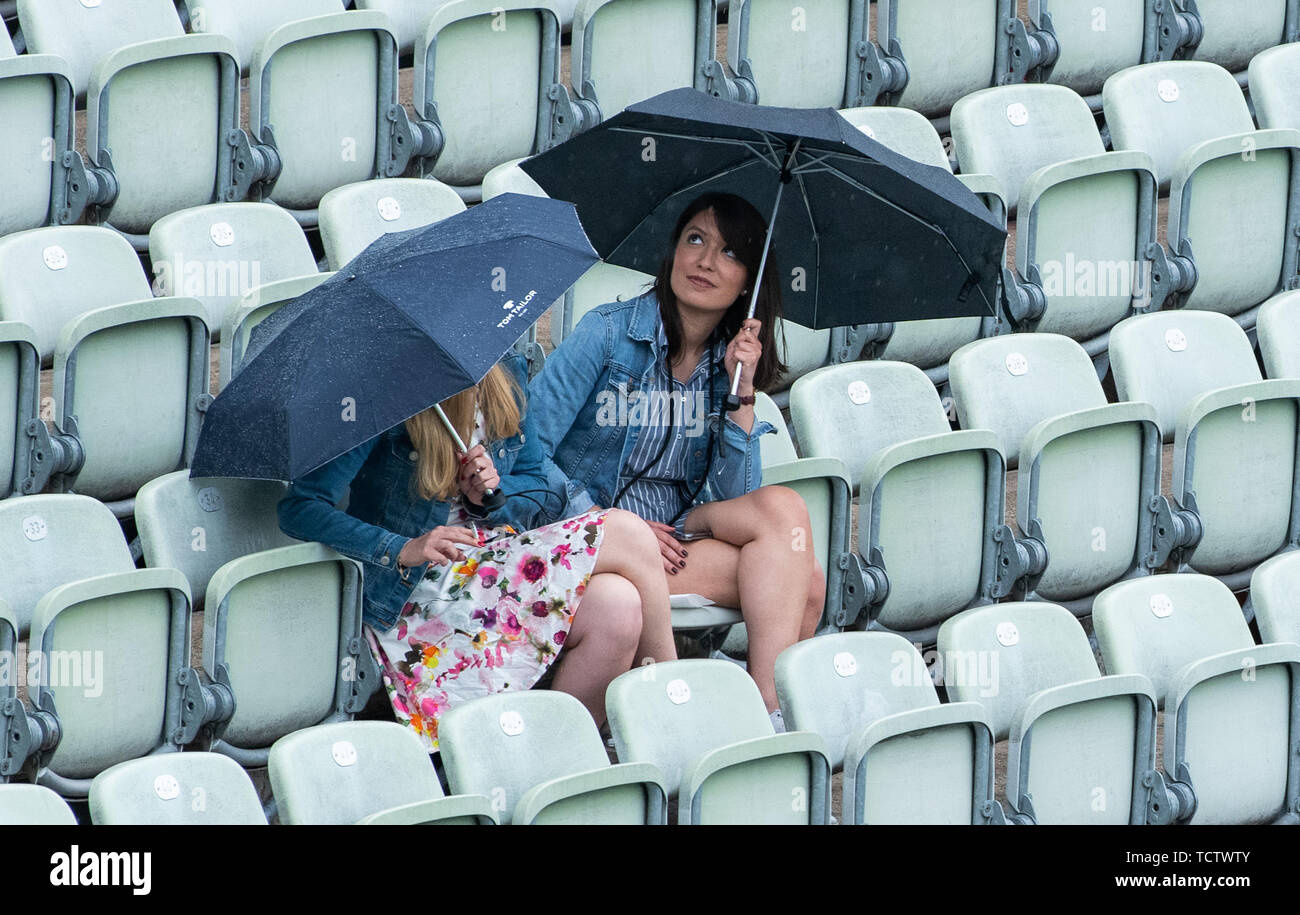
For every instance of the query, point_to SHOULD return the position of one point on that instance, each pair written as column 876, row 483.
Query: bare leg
column 761, row 560
column 601, row 641
column 629, row 549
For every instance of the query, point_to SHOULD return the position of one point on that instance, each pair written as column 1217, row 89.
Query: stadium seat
column 33, row 805
column 113, row 640
column 626, row 51
column 27, row 733
column 1234, row 32
column 1234, row 436
column 408, row 18
column 45, row 180
column 247, row 22
column 935, row 75
column 218, row 253
column 539, row 757
column 20, row 385
column 800, row 57
column 257, row 304
column 1279, row 335
column 6, row 44
column 1095, row 41
column 83, row 34
column 1086, row 223
column 1230, row 722
column 906, row 758
column 1089, row 480
column 885, row 421
column 925, row 344
column 703, row 724
column 1274, row 74
column 352, row 771
column 1275, row 598
column 487, row 82
column 1232, row 226
column 353, row 216
column 323, row 93
column 1082, row 746
column 178, row 789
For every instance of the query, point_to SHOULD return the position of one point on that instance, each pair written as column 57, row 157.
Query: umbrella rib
column 725, row 141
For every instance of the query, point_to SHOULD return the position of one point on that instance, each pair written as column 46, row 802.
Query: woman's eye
column 694, row 239
column 730, row 252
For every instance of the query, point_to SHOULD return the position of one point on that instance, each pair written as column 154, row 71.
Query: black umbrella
column 417, row 317
column 863, row 234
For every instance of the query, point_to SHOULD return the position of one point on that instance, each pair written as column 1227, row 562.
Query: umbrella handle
column 493, row 499
column 732, row 402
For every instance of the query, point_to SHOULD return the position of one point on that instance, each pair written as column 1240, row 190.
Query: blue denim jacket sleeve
column 558, row 394
column 309, row 512
column 739, row 468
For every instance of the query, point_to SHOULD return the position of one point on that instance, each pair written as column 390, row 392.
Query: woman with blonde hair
column 460, row 602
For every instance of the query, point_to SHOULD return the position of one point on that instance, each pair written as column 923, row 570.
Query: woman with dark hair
column 630, row 406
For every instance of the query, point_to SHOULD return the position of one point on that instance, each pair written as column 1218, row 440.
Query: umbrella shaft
column 451, row 430
column 755, row 281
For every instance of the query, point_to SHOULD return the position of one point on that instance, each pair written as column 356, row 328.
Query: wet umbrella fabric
column 862, row 234
column 417, row 317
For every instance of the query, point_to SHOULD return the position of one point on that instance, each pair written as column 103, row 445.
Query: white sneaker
column 778, row 721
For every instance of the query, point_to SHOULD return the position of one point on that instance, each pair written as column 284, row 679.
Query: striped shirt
column 672, row 417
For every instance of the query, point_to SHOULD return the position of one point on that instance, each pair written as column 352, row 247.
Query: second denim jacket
column 609, row 357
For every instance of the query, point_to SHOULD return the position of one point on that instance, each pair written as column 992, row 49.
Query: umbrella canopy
column 417, row 317
column 861, row 235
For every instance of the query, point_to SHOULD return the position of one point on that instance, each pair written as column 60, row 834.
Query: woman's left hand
column 477, row 474
column 745, row 349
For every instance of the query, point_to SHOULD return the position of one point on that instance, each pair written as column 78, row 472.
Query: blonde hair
column 497, row 395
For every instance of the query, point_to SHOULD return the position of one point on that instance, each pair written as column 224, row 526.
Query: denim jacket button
column 501, row 453
column 522, row 438
column 383, row 561
column 415, row 455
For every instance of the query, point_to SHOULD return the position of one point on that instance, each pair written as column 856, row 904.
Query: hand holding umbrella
column 493, row 499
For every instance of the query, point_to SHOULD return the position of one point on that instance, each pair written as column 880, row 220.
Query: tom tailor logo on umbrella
column 514, row 309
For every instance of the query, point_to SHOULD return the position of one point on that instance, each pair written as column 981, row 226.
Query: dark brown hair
column 744, row 231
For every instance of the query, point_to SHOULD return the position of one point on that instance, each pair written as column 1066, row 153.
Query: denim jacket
column 384, row 512
column 580, row 404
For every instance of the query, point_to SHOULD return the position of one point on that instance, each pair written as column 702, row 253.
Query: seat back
column 36, row 133
column 353, row 216
column 1236, row 32
column 176, row 789
column 1275, row 595
column 938, row 74
column 49, row 540
column 670, row 714
column 503, row 745
column 258, row 304
column 1165, row 108
column 33, row 805
column 1274, row 75
column 339, row 773
column 1095, row 41
column 777, row 447
column 247, row 22
column 20, row 382
column 83, row 34
column 1167, row 359
column 482, row 70
column 803, row 57
column 409, row 17
column 198, row 525
column 802, row 350
column 218, row 253
column 1279, row 345
column 50, row 276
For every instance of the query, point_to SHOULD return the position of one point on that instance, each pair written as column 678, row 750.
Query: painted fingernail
column 674, row 571
column 682, row 564
column 684, row 553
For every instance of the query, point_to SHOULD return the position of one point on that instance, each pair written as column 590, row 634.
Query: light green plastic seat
column 6, row 45
column 800, row 57
column 218, row 253
column 600, row 284
column 27, row 732
column 485, row 74
column 1275, row 597
column 50, row 276
column 33, row 805
column 1234, row 435
column 1274, row 74
column 20, row 387
column 353, row 216
column 926, row 344
column 1081, row 745
column 703, row 724
column 256, row 305
column 1279, row 340
column 408, row 18
column 1095, row 40
column 1086, row 218
column 247, row 22
column 925, row 492
column 358, row 770
column 906, row 758
column 37, row 143
column 1235, row 31
column 176, row 789
column 1230, row 187
column 1089, row 481
column 84, row 34
column 539, row 757
column 938, row 74
column 1230, row 721
column 626, row 51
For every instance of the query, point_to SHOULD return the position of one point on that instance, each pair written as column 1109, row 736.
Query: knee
column 620, row 616
column 626, row 530
column 779, row 505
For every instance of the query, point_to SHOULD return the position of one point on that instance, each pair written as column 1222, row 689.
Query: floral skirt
column 492, row 623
